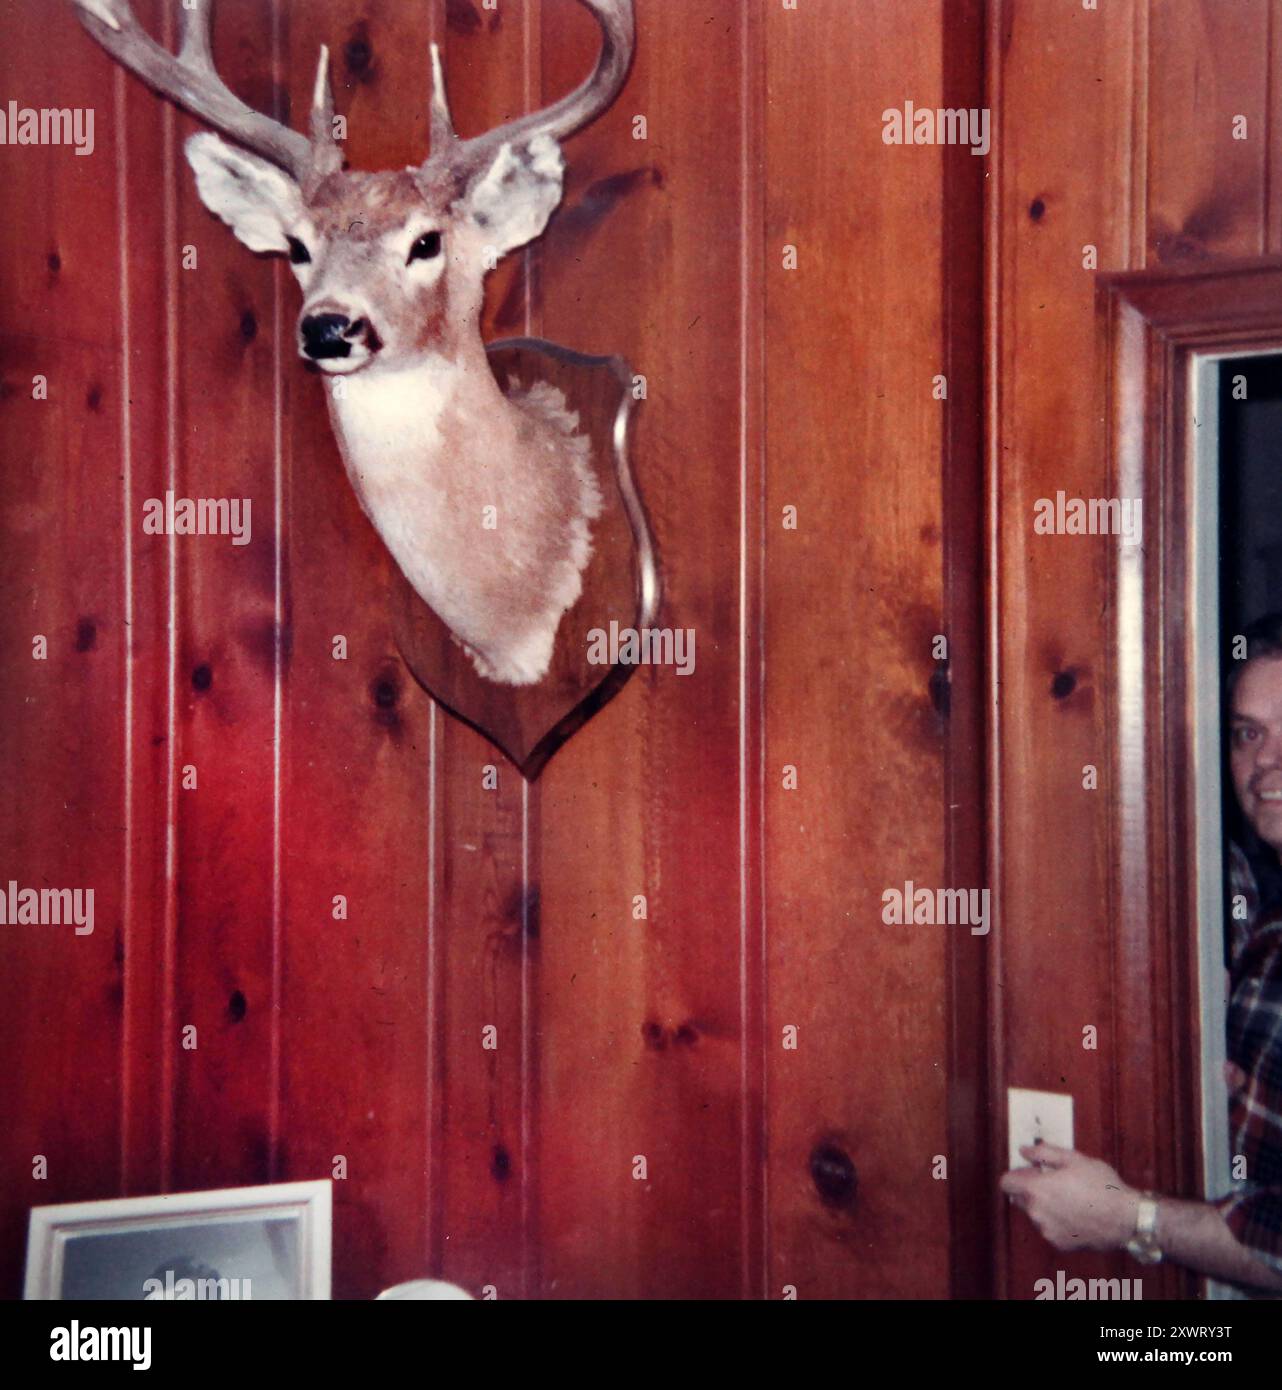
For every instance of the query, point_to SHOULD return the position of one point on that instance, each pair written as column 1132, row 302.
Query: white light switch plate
column 1033, row 1115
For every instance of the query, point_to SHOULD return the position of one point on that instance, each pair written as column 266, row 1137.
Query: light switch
column 1034, row 1115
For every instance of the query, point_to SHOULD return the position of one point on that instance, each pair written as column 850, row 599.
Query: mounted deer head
column 485, row 500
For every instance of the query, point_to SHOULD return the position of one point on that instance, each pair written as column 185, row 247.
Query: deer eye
column 298, row 253
column 425, row 248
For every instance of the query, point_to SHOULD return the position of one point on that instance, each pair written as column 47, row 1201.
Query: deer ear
column 257, row 200
column 511, row 202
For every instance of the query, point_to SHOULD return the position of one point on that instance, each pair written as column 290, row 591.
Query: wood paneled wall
column 768, row 388
column 1114, row 130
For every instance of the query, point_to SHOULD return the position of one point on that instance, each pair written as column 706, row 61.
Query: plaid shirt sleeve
column 1253, row 1210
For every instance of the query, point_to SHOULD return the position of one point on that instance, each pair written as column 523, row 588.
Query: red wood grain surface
column 1130, row 150
column 1063, row 182
column 353, row 1044
column 643, row 1033
column 853, row 601
column 63, row 815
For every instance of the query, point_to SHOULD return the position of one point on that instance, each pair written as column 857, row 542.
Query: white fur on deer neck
column 499, row 580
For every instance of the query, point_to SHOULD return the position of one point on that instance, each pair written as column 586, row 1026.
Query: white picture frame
column 269, row 1242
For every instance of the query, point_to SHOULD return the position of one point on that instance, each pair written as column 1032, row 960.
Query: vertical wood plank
column 642, row 1020
column 854, row 597
column 972, row 1173
column 1272, row 184
column 224, row 675
column 1062, row 182
column 146, row 259
column 356, row 762
column 62, row 819
column 753, row 655
column 489, row 910
column 1207, row 184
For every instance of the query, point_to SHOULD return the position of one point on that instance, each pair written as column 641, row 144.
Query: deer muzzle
column 336, row 340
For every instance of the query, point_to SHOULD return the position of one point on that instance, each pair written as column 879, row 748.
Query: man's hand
column 1077, row 1203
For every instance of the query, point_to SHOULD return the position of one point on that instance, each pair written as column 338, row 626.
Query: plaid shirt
column 1254, row 1209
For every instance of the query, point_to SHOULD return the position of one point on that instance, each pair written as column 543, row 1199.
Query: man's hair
column 1263, row 638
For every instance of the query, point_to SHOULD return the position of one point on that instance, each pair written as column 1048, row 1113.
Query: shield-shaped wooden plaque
column 620, row 584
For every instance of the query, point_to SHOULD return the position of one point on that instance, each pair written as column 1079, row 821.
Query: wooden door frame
column 1153, row 325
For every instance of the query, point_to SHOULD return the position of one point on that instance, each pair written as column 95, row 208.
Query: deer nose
column 323, row 335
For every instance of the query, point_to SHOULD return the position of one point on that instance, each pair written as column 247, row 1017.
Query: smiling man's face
column 1255, row 747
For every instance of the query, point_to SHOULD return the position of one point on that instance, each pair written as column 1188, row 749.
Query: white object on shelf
column 423, row 1289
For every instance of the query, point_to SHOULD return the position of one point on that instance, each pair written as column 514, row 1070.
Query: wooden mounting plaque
column 620, row 583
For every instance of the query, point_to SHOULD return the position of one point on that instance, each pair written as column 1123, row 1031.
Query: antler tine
column 189, row 79
column 443, row 136
column 325, row 156
column 572, row 112
column 195, row 47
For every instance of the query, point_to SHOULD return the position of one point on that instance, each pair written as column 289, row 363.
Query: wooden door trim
column 1153, row 325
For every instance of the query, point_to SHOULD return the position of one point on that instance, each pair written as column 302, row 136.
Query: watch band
column 1143, row 1245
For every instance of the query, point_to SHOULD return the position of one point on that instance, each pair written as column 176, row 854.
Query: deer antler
column 571, row 113
column 190, row 79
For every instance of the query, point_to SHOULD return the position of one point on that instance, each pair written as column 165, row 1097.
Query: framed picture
column 268, row 1242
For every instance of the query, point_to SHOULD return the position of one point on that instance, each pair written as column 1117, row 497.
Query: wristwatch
column 1143, row 1244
